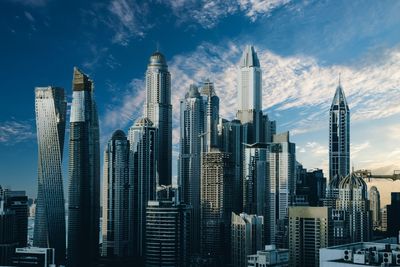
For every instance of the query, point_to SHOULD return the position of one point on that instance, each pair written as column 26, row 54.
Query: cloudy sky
column 302, row 46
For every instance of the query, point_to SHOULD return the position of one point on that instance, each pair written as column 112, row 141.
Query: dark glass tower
column 84, row 174
column 117, row 226
column 51, row 111
column 339, row 136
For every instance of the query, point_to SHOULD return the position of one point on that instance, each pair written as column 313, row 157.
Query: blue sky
column 302, row 46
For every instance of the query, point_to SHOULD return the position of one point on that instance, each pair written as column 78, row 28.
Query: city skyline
column 313, row 75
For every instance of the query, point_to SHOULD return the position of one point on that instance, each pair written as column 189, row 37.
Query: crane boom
column 367, row 174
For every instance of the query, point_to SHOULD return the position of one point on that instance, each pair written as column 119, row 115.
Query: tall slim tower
column 250, row 86
column 143, row 146
column 375, row 206
column 84, row 174
column 250, row 96
column 159, row 110
column 117, row 227
column 51, row 111
column 211, row 118
column 282, row 187
column 339, row 136
column 192, row 126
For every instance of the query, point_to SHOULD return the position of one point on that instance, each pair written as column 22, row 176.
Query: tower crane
column 367, row 174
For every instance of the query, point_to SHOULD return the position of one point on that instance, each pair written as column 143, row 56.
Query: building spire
column 340, row 83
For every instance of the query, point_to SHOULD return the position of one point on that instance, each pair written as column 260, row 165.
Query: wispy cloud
column 290, row 84
column 32, row 3
column 13, row 132
column 125, row 110
column 29, row 16
column 128, row 19
column 207, row 13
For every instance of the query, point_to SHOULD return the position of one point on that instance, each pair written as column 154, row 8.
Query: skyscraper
column 117, row 227
column 231, row 142
column 143, row 138
column 249, row 86
column 192, row 119
column 339, row 136
column 8, row 232
column 353, row 201
column 256, row 183
column 84, row 174
column 211, row 118
column 51, row 111
column 167, row 234
column 158, row 109
column 393, row 216
column 282, row 186
column 216, row 204
column 250, row 96
column 309, row 230
column 246, row 237
column 375, row 206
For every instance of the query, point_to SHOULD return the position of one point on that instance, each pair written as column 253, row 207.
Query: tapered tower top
column 339, row 100
column 80, row 81
column 249, row 57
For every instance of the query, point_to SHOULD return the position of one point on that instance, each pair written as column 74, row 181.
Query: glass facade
column 49, row 230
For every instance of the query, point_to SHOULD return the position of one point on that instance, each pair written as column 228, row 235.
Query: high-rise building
column 256, row 191
column 282, row 187
column 312, row 185
column 216, row 204
column 167, row 234
column 270, row 256
column 250, row 96
column 393, row 216
column 158, row 109
column 192, row 119
column 143, row 138
column 17, row 202
column 384, row 219
column 117, row 226
column 339, row 136
column 51, row 111
column 8, row 233
column 249, row 86
column 211, row 119
column 375, row 206
column 84, row 174
column 353, row 200
column 231, row 142
column 246, row 237
column 309, row 230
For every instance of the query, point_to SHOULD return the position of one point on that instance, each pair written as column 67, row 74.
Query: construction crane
column 367, row 174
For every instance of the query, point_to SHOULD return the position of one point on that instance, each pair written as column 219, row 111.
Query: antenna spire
column 158, row 47
column 340, row 74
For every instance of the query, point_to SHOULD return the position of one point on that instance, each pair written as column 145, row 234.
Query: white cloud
column 124, row 113
column 13, row 132
column 297, row 85
column 127, row 19
column 255, row 8
column 207, row 13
